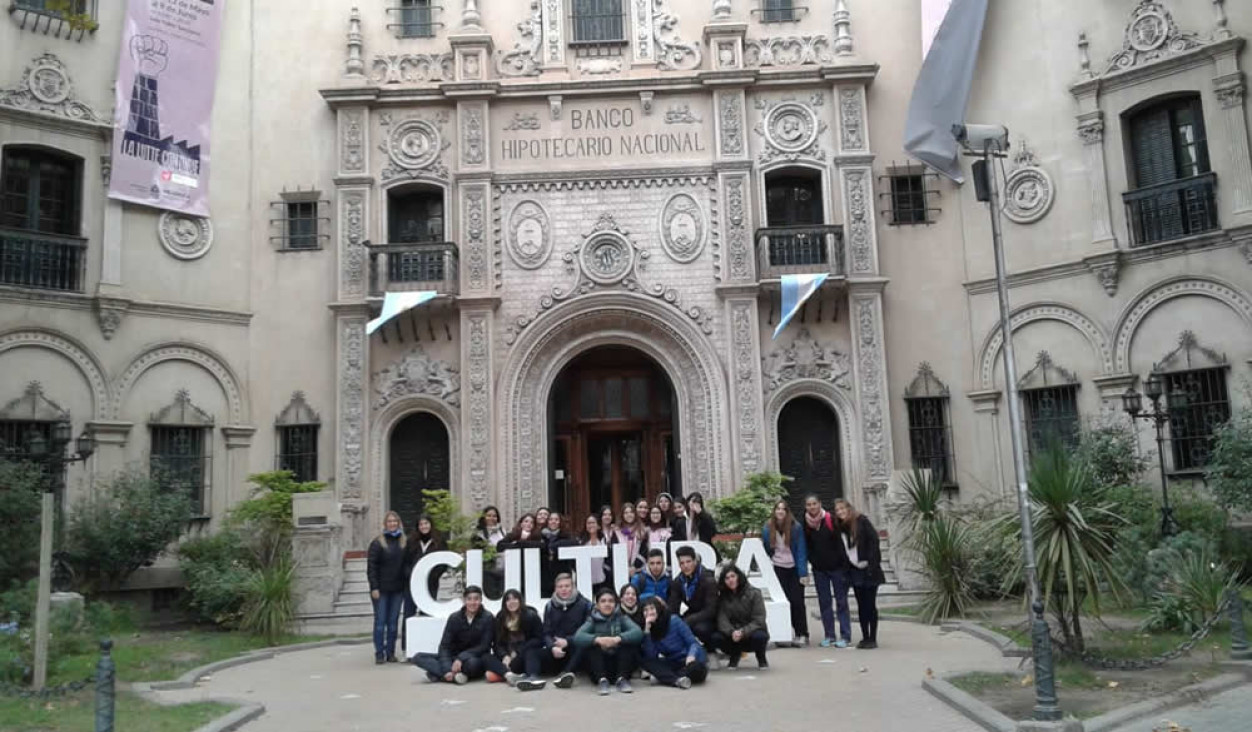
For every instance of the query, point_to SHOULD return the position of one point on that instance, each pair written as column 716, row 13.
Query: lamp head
column 1132, row 402
column 62, row 432
column 37, row 444
column 85, row 445
column 1153, row 387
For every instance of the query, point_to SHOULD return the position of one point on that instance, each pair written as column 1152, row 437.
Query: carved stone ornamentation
column 524, row 59
column 354, row 65
column 788, row 51
column 1151, row 35
column 1106, row 267
column 412, row 68
column 600, row 66
column 352, row 277
column 683, row 228
column 476, row 256
column 860, row 241
column 1091, row 131
column 681, row 115
column 790, row 130
column 185, row 237
column 109, row 314
column 106, row 169
column 806, row 358
column 851, row 120
column 608, row 256
column 871, row 376
column 45, row 87
column 1028, row 191
column 731, row 113
column 353, row 149
column 417, row 373
column 737, row 244
column 415, row 147
column 478, row 402
column 472, row 135
column 672, row 53
column 529, row 235
column 641, row 30
column 1231, row 96
column 351, row 407
column 523, row 122
column 747, row 390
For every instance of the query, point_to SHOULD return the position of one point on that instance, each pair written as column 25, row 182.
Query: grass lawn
column 76, row 713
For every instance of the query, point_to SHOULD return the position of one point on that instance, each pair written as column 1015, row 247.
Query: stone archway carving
column 612, row 318
column 92, row 371
column 1089, row 329
column 1158, row 294
column 199, row 355
column 384, row 421
column 849, row 424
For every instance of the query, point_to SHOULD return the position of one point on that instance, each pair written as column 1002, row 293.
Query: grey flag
column 942, row 88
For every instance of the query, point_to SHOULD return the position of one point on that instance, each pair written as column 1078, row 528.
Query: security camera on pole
column 934, row 133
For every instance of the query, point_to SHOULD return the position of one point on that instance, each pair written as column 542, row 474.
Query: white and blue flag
column 395, row 303
column 796, row 289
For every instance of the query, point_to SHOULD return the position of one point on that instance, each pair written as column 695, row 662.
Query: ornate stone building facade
column 605, row 202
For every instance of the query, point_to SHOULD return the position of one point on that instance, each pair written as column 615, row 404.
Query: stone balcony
column 809, row 249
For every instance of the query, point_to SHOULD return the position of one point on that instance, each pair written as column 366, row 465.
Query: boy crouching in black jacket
column 466, row 640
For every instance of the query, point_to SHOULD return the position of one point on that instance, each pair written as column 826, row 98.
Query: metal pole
column 1238, row 634
column 1041, row 641
column 105, row 688
column 44, row 600
column 1167, row 513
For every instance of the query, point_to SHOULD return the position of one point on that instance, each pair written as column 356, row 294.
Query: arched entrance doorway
column 419, row 461
column 614, row 438
column 808, row 451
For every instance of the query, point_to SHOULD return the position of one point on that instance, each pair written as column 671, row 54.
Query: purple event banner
column 166, row 76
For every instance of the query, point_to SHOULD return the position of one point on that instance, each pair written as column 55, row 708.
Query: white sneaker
column 512, row 678
column 461, row 679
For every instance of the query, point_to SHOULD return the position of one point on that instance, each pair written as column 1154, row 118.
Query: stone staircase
column 353, row 612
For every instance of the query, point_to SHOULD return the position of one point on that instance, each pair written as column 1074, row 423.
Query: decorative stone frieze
column 352, row 255
column 412, row 68
column 417, row 373
column 791, row 130
column 475, row 246
column 871, row 383
column 683, row 228
column 479, row 403
column 806, row 358
column 672, row 53
column 45, row 87
column 185, row 237
column 351, row 408
column 1150, row 36
column 1029, row 190
column 812, row 50
column 473, row 133
column 525, row 58
column 415, row 147
column 730, row 122
column 746, row 390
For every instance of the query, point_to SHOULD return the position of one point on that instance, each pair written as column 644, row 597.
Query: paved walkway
column 1229, row 711
column 339, row 689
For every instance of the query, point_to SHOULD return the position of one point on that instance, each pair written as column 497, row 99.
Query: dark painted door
column 419, row 461
column 808, row 452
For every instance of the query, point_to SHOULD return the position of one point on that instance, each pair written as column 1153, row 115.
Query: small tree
column 1110, row 452
column 459, row 529
column 746, row 510
column 19, row 523
column 265, row 518
column 123, row 526
column 1230, row 465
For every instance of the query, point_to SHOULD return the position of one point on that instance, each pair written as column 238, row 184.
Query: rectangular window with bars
column 930, row 438
column 1193, row 422
column 1051, row 417
column 907, row 198
column 778, row 11
column 300, row 223
column 414, row 19
column 597, row 21
column 179, row 460
column 297, row 451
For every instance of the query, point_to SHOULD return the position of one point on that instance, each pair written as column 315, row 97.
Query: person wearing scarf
column 517, row 655
column 611, row 643
column 631, row 533
column 566, row 612
column 424, row 540
column 670, row 653
column 385, row 569
column 695, row 589
column 830, row 571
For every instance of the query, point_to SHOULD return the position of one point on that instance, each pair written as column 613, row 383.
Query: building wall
column 248, row 324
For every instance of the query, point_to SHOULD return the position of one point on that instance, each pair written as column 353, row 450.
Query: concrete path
column 1230, row 711
column 340, row 689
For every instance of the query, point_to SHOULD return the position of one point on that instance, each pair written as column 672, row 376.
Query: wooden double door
column 613, row 438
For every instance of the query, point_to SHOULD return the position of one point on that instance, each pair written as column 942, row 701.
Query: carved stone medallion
column 414, row 143
column 1029, row 190
column 530, row 242
column 682, row 228
column 185, row 237
column 607, row 258
column 791, row 127
column 48, row 81
column 1148, row 31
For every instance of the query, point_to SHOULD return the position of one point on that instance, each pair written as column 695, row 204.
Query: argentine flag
column 796, row 289
column 395, row 303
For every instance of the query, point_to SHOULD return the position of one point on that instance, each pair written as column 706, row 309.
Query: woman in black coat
column 385, row 570
column 860, row 541
column 700, row 524
column 517, row 651
column 424, row 540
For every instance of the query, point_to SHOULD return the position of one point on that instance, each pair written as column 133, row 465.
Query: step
column 351, row 586
column 354, row 565
column 359, row 596
column 350, row 608
column 335, row 624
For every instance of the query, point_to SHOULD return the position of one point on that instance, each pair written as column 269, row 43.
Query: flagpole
column 1046, row 707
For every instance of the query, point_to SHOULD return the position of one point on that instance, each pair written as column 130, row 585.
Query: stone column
column 111, row 438
column 1091, row 130
column 238, row 439
column 1237, row 185
column 478, row 407
column 746, row 404
column 869, row 366
column 987, row 432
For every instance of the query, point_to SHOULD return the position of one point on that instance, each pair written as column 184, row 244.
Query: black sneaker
column 379, row 660
column 733, row 663
column 564, row 681
column 529, row 684
column 603, row 687
column 762, row 662
column 867, row 645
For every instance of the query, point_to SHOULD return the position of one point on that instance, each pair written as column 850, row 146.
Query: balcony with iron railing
column 42, row 261
column 809, row 249
column 1172, row 210
column 414, row 266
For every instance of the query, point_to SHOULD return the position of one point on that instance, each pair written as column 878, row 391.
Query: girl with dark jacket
column 700, row 525
column 489, row 535
column 424, row 540
column 741, row 620
column 630, row 531
column 860, row 542
column 517, row 652
column 670, row 652
column 385, row 570
column 784, row 542
column 628, row 601
column 601, row 570
column 555, row 536
column 525, row 535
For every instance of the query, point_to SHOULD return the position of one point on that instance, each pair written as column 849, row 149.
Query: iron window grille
column 598, row 27
column 1169, row 160
column 54, row 21
column 39, row 220
column 780, row 11
column 1172, row 210
column 180, row 455
column 414, row 19
column 906, row 195
column 298, row 427
column 22, row 419
column 302, row 222
column 1049, row 395
column 930, row 432
column 1201, row 403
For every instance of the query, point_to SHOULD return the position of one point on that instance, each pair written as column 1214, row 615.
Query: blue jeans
column 835, row 582
column 386, row 622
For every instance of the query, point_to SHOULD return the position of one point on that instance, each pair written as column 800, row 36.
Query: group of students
column 654, row 623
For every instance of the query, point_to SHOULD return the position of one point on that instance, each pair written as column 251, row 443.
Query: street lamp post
column 1132, row 404
column 51, row 454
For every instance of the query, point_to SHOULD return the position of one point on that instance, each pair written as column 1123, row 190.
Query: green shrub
column 942, row 548
column 1192, row 589
column 460, row 530
column 1110, row 452
column 268, row 607
column 1230, row 465
column 924, row 500
column 746, row 510
column 216, row 571
column 18, row 603
column 124, row 525
column 264, row 521
column 1235, row 547
column 19, row 523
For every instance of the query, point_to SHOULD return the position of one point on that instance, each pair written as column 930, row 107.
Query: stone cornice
column 1164, row 250
column 110, row 432
column 597, row 175
column 478, row 303
column 238, row 435
column 1155, row 70
column 987, row 400
column 57, row 123
column 146, row 308
column 740, row 290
